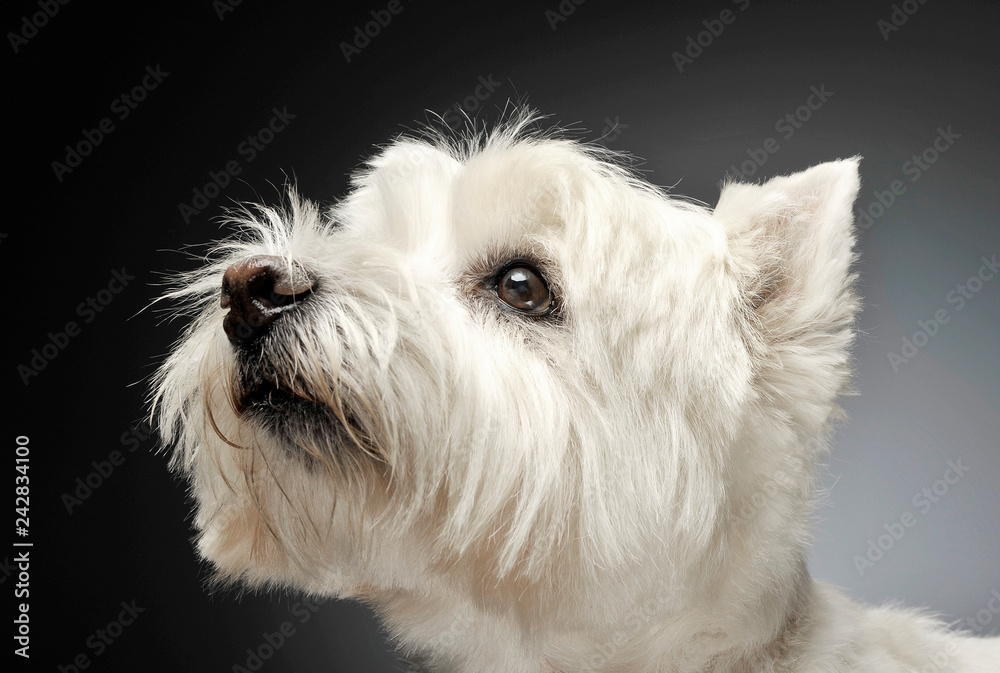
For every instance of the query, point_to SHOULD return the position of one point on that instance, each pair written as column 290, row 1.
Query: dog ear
column 792, row 241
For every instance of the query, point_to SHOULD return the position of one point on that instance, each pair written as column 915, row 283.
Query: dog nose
column 257, row 290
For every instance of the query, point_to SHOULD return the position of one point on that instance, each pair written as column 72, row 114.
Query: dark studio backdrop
column 133, row 126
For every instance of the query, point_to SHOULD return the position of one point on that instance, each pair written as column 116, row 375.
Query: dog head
column 507, row 364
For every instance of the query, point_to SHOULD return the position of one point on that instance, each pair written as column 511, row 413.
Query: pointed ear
column 792, row 241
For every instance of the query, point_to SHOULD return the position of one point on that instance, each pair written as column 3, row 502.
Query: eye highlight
column 522, row 287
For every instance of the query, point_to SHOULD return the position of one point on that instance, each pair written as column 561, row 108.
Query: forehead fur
column 516, row 190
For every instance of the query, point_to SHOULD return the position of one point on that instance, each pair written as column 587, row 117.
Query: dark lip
column 265, row 396
column 291, row 416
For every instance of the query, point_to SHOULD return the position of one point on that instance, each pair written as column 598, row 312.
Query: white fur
column 624, row 488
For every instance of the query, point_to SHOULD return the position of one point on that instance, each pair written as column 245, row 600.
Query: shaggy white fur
column 619, row 482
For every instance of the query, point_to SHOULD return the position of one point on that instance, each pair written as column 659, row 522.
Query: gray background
column 129, row 539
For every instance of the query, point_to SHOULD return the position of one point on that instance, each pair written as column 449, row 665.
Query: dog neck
column 780, row 652
column 711, row 641
column 732, row 644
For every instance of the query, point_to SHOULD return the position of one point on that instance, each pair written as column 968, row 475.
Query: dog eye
column 522, row 287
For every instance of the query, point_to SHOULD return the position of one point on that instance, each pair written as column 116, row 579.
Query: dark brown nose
column 257, row 290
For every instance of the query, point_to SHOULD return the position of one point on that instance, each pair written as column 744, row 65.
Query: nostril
column 257, row 290
column 261, row 288
column 277, row 288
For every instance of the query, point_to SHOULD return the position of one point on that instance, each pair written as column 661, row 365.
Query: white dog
column 539, row 414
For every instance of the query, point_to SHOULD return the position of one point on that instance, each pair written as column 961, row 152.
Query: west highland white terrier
column 541, row 415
